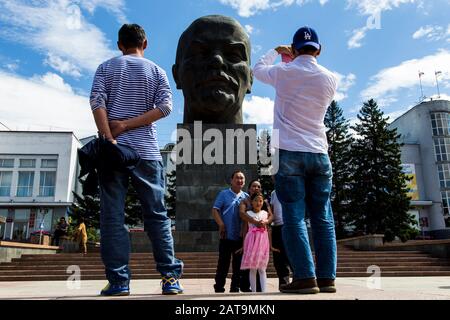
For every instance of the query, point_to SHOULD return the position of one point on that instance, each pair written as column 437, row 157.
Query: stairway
column 351, row 263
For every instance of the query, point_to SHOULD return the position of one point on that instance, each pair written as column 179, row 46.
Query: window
column 6, row 163
column 442, row 149
column 47, row 184
column 49, row 163
column 445, row 201
column 444, row 175
column 25, row 184
column 5, row 183
column 440, row 123
column 27, row 163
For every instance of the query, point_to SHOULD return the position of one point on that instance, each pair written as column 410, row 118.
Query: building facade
column 38, row 173
column 425, row 133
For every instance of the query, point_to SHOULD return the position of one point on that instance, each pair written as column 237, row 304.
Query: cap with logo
column 306, row 36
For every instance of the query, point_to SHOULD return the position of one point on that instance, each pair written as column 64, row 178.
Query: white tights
column 262, row 279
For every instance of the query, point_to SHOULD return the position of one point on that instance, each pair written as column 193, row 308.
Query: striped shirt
column 129, row 86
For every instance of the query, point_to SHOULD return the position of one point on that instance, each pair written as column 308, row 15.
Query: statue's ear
column 249, row 89
column 175, row 75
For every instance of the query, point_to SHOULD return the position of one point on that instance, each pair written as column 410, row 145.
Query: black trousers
column 280, row 259
column 227, row 255
column 57, row 235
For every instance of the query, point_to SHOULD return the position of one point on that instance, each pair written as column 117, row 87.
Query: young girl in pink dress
column 256, row 245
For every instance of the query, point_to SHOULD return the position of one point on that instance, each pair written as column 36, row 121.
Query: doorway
column 20, row 231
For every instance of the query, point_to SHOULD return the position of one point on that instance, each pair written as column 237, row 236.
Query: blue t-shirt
column 227, row 203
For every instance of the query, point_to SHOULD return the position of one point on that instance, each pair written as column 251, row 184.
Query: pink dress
column 256, row 244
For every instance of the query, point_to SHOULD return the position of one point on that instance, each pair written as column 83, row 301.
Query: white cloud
column 115, row 6
column 63, row 66
column 249, row 29
column 54, row 81
column 44, row 103
column 373, row 10
column 60, row 31
column 357, row 37
column 247, row 8
column 258, row 110
column 256, row 48
column 388, row 83
column 344, row 84
column 433, row 33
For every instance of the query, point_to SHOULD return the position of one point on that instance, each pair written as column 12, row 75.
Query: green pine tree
column 171, row 195
column 339, row 141
column 267, row 184
column 88, row 207
column 379, row 201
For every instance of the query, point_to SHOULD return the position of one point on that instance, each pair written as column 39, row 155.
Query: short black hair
column 132, row 36
column 253, row 181
column 236, row 171
column 307, row 50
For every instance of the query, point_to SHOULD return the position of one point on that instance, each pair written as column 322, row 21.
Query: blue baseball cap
column 306, row 36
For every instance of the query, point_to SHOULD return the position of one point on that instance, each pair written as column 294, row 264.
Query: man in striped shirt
column 129, row 94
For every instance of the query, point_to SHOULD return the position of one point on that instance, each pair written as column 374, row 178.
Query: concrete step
column 202, row 255
column 80, row 258
column 211, row 276
column 88, row 265
column 197, row 270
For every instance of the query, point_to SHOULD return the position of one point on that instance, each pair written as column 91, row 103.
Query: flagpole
column 421, row 87
column 436, row 73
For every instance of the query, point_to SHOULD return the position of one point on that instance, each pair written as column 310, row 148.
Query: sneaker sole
column 174, row 292
column 302, row 291
column 120, row 294
column 328, row 289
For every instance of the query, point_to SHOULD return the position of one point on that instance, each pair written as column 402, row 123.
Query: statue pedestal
column 198, row 181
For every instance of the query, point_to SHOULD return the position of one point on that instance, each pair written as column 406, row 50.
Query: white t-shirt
column 277, row 210
column 260, row 216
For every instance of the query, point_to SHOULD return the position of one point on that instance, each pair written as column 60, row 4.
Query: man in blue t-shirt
column 226, row 214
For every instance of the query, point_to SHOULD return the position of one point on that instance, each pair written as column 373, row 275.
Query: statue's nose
column 217, row 60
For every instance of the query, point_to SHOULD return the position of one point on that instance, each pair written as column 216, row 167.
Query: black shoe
column 302, row 286
column 234, row 290
column 219, row 290
column 326, row 285
column 282, row 282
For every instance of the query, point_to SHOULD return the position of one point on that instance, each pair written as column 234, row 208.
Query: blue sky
column 49, row 51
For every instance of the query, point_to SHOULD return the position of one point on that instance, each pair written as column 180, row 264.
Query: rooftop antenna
column 422, row 97
column 436, row 74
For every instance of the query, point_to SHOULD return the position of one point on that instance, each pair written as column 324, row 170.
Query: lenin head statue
column 212, row 68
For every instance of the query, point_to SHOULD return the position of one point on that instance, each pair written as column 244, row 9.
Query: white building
column 38, row 173
column 425, row 133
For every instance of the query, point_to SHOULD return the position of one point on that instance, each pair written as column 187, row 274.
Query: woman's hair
column 251, row 182
column 256, row 195
column 80, row 219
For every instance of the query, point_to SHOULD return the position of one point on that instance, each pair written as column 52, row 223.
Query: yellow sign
column 410, row 171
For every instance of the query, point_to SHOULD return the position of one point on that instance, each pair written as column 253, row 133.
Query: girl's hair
column 255, row 195
column 253, row 181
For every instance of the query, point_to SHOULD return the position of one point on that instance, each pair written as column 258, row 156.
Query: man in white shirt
column 304, row 90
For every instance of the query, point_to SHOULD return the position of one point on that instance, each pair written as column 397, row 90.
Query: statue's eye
column 235, row 53
column 197, row 50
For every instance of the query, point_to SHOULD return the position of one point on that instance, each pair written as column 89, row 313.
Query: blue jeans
column 303, row 183
column 148, row 180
